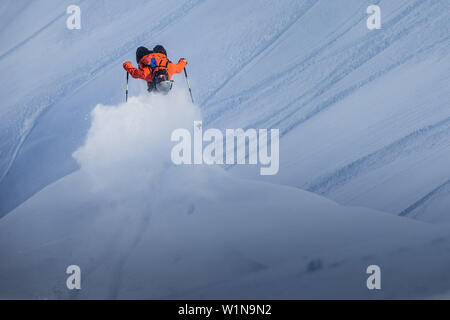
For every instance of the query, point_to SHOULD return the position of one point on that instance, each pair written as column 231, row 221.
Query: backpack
column 159, row 69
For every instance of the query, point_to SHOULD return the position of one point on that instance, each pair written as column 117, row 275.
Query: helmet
column 159, row 49
column 141, row 52
column 164, row 86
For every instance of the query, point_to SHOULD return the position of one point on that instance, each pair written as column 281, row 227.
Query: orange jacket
column 144, row 71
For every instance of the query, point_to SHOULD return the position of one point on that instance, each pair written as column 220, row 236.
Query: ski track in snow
column 309, row 105
column 373, row 44
column 442, row 190
column 266, row 45
column 88, row 73
column 282, row 116
column 433, row 136
column 35, row 34
column 274, row 81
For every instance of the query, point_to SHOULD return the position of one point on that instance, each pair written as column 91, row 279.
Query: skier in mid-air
column 155, row 68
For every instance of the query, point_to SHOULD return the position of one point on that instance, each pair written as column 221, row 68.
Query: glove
column 184, row 60
column 127, row 65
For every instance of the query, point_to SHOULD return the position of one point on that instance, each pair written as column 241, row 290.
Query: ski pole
column 189, row 85
column 126, row 92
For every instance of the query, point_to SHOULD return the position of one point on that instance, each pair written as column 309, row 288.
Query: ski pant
column 150, row 86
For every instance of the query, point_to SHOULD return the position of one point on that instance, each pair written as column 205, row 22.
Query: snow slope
column 364, row 119
column 140, row 227
column 374, row 101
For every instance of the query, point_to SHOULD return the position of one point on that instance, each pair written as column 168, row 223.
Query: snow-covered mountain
column 364, row 119
column 365, row 116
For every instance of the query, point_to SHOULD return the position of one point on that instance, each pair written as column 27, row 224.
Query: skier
column 155, row 68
